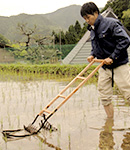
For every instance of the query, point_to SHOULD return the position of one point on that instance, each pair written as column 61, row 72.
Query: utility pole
column 60, row 40
column 60, row 44
column 54, row 41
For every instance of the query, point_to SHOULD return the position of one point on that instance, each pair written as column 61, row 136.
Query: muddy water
column 81, row 121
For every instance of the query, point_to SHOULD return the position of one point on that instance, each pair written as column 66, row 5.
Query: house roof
column 83, row 48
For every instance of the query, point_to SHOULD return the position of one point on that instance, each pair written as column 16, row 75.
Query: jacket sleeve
column 93, row 43
column 121, row 38
column 92, row 53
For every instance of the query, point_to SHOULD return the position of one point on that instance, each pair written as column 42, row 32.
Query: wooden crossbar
column 79, row 77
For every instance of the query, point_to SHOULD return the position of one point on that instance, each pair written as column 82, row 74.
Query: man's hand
column 90, row 58
column 108, row 61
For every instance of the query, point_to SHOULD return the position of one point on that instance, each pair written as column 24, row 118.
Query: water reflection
column 43, row 140
column 21, row 101
column 126, row 142
column 106, row 139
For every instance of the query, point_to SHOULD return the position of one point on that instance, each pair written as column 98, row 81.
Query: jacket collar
column 98, row 20
column 89, row 27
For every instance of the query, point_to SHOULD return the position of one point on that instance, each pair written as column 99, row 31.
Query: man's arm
column 122, row 40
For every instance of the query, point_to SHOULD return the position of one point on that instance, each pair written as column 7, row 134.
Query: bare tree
column 22, row 27
column 42, row 40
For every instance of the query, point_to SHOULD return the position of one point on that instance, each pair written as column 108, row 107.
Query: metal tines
column 48, row 126
column 31, row 129
column 44, row 124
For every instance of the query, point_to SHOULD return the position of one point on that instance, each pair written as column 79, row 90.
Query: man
column 109, row 42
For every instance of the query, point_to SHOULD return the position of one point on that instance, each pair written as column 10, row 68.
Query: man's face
column 90, row 19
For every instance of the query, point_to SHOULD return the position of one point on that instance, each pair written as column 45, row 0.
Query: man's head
column 89, row 11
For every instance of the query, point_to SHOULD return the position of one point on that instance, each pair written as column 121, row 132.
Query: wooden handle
column 79, row 76
column 98, row 60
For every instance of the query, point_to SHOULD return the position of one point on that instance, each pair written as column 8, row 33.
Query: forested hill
column 46, row 23
column 58, row 20
column 122, row 9
column 67, row 16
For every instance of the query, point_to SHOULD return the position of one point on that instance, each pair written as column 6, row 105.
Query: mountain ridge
column 60, row 19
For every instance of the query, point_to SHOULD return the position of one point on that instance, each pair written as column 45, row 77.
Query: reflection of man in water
column 106, row 140
column 126, row 142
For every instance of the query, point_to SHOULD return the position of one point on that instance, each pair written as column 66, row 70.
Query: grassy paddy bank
column 46, row 71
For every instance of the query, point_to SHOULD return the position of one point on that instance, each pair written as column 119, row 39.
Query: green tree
column 56, row 37
column 62, row 36
column 3, row 41
column 71, row 35
column 119, row 6
column 84, row 29
column 78, row 30
column 34, row 55
column 126, row 19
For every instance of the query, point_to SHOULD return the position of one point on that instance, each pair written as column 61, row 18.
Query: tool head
column 31, row 129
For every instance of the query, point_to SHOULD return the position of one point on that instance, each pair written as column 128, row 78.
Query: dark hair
column 89, row 8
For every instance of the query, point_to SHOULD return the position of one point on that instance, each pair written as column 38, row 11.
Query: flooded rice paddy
column 81, row 121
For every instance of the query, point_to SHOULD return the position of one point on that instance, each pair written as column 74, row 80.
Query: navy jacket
column 109, row 39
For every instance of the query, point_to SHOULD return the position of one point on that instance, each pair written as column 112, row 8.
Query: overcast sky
column 15, row 7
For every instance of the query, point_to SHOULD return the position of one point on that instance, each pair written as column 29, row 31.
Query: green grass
column 45, row 71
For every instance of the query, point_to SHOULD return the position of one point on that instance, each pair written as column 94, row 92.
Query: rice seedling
column 58, row 141
column 1, row 122
column 18, row 119
column 3, row 97
column 69, row 138
column 59, row 128
column 125, row 123
column 9, row 120
column 40, row 145
column 34, row 110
